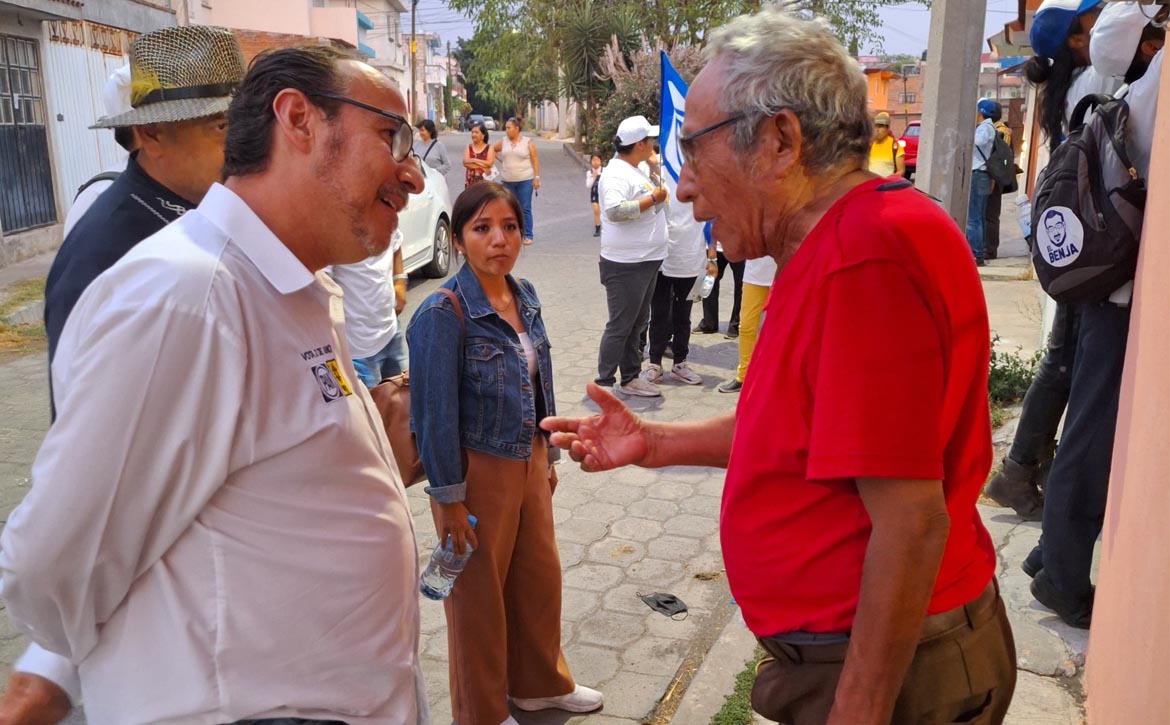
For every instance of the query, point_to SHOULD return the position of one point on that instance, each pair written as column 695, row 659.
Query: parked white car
column 426, row 226
column 489, row 123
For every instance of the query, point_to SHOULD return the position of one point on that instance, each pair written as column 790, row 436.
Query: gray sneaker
column 639, row 388
column 683, row 373
column 652, row 374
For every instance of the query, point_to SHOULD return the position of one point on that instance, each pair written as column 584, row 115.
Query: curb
column 31, row 313
column 1013, row 271
column 715, row 679
column 572, row 154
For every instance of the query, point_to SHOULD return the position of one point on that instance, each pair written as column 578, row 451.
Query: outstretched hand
column 611, row 439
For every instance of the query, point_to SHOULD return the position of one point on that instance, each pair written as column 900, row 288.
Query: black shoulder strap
column 1089, row 103
column 428, row 151
column 104, row 176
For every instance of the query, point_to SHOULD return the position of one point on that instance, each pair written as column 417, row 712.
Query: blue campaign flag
column 670, row 120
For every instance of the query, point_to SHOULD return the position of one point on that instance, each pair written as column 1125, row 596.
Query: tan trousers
column 504, row 614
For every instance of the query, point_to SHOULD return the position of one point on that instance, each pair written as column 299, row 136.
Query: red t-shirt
column 872, row 363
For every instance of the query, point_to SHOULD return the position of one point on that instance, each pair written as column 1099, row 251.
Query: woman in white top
column 521, row 172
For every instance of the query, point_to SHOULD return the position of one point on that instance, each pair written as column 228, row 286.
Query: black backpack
column 1001, row 166
column 1088, row 206
column 104, row 176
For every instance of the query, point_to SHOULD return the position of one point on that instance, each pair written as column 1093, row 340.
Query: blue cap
column 1051, row 23
column 986, row 107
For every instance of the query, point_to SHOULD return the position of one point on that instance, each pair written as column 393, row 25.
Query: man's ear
column 297, row 120
column 779, row 141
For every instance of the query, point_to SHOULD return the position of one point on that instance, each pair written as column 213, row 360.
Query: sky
column 905, row 26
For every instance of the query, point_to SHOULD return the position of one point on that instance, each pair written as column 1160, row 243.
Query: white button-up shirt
column 216, row 529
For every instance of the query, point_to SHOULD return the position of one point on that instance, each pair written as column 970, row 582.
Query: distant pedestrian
column 592, row 181
column 478, row 157
column 991, row 217
column 710, row 322
column 850, row 535
column 429, row 148
column 980, row 179
column 886, row 155
column 520, row 167
column 633, row 245
column 482, row 381
column 670, row 307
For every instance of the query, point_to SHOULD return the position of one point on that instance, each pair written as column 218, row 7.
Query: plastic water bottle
column 708, row 285
column 438, row 579
column 1024, row 215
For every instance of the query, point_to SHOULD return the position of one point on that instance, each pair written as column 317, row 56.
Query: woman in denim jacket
column 478, row 393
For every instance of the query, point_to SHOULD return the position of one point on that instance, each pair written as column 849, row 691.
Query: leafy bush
column 1009, row 375
column 637, row 80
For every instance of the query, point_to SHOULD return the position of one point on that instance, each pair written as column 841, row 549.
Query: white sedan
column 426, row 226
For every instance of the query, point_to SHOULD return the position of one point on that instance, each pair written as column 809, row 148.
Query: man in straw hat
column 168, row 108
column 181, row 80
column 217, row 532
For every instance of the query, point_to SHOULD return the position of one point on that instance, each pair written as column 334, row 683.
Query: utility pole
column 450, row 97
column 413, row 42
column 948, row 112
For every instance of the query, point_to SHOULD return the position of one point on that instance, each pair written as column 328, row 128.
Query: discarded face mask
column 665, row 604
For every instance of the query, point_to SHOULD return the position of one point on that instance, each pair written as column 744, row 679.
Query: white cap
column 116, row 93
column 634, row 129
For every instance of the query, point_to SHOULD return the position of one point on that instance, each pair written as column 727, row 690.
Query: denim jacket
column 476, row 393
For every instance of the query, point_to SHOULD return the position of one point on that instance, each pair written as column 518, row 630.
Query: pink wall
column 273, row 16
column 1128, row 669
column 337, row 23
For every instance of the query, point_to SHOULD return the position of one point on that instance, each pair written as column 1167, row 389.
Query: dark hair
column 996, row 113
column 482, row 128
column 1137, row 67
column 515, row 122
column 476, row 197
column 310, row 69
column 596, row 155
column 621, row 149
column 124, row 136
column 429, row 125
column 1056, row 75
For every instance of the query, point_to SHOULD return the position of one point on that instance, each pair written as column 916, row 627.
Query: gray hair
column 777, row 60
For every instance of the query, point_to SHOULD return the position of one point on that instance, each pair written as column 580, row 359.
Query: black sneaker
column 979, row 262
column 597, row 232
column 731, row 386
column 732, row 332
column 704, row 330
column 1075, row 611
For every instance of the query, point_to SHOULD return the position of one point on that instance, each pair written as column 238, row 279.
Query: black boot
column 1013, row 486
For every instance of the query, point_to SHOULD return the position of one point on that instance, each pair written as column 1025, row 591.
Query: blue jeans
column 976, row 209
column 388, row 362
column 523, row 192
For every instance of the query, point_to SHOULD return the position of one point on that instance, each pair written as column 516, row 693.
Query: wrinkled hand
column 453, row 523
column 614, row 438
column 33, row 700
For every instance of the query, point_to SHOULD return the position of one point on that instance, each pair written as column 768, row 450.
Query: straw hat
column 180, row 74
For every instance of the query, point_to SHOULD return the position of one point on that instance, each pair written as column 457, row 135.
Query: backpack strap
column 1080, row 112
column 458, row 307
column 104, row 176
column 428, row 151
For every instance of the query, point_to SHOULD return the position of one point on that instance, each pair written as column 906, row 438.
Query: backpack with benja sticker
column 1088, row 206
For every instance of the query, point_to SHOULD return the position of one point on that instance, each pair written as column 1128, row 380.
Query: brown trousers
column 964, row 675
column 504, row 614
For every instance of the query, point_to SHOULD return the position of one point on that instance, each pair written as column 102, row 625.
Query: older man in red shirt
column 862, row 439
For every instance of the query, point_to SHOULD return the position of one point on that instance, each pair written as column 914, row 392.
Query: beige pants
column 504, row 614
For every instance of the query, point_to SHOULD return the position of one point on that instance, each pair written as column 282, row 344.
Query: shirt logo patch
column 332, row 382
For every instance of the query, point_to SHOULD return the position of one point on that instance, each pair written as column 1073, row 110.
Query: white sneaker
column 683, row 373
column 581, row 699
column 639, row 388
column 652, row 374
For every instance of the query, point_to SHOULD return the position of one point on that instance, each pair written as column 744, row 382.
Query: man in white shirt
column 980, row 179
column 375, row 294
column 216, row 531
column 633, row 245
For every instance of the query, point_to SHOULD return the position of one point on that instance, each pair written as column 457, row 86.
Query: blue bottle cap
column 472, row 520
